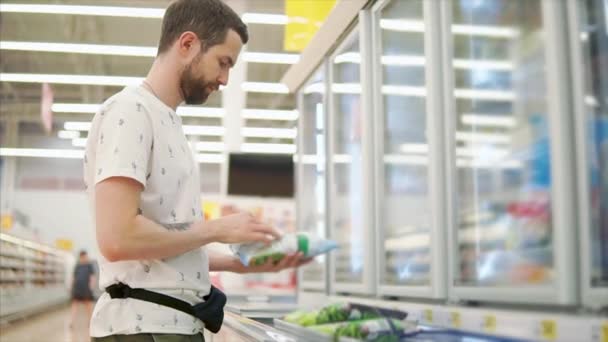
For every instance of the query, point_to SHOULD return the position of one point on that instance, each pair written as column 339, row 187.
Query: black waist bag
column 211, row 311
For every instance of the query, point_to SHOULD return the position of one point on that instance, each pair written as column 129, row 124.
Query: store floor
column 52, row 326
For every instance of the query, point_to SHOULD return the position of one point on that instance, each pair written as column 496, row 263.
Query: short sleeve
column 124, row 142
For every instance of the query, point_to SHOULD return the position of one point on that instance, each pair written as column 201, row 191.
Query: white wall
column 59, row 215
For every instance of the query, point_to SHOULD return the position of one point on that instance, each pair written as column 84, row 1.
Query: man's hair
column 209, row 19
column 83, row 253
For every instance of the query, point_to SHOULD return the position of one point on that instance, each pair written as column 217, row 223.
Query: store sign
column 6, row 222
column 305, row 17
column 64, row 244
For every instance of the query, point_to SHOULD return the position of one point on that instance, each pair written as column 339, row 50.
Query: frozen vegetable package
column 378, row 330
column 341, row 312
column 254, row 254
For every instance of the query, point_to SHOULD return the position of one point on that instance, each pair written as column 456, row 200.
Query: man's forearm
column 146, row 239
column 220, row 262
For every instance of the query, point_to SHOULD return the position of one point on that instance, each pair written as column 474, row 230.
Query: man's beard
column 195, row 90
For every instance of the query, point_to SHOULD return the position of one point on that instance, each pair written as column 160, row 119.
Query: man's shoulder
column 128, row 97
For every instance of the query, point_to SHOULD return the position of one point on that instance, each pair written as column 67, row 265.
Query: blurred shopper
column 143, row 185
column 83, row 282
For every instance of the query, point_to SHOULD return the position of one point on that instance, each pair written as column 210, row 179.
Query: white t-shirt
column 136, row 135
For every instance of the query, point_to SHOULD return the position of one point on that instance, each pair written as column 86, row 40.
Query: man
column 84, row 278
column 143, row 183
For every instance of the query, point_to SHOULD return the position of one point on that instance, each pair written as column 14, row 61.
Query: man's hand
column 242, row 228
column 289, row 261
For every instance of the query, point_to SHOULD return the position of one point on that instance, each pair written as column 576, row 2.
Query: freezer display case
column 311, row 165
column 350, row 198
column 406, row 140
column 589, row 41
column 512, row 232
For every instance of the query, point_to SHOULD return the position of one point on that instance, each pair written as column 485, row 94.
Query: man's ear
column 188, row 44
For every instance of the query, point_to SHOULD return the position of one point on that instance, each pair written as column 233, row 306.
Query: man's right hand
column 241, row 228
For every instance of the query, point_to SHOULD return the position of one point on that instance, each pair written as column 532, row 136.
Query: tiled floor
column 52, row 326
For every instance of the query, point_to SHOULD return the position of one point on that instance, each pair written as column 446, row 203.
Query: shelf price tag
column 548, row 329
column 428, row 315
column 455, row 319
column 489, row 323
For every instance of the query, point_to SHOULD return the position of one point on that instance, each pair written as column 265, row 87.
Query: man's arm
column 123, row 234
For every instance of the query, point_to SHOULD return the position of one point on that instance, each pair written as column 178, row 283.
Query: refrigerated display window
column 346, row 162
column 312, row 199
column 594, row 40
column 405, row 214
column 502, row 145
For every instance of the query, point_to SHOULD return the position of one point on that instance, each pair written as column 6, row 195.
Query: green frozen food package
column 253, row 254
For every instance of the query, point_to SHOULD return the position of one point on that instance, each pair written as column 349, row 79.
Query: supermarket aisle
column 48, row 327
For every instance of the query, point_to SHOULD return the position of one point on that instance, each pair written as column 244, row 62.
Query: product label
column 489, row 323
column 548, row 329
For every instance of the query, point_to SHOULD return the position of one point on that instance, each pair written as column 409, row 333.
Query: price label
column 489, row 323
column 455, row 318
column 428, row 315
column 548, row 329
column 604, row 332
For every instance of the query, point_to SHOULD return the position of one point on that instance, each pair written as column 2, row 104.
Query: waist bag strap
column 210, row 312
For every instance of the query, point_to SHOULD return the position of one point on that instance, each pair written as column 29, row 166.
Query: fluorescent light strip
column 186, row 111
column 482, row 64
column 41, row 153
column 268, row 148
column 262, row 18
column 77, row 126
column 74, row 108
column 262, row 132
column 478, row 94
column 265, row 87
column 71, row 79
column 210, row 158
column 270, row 114
column 135, row 51
column 188, row 129
column 348, row 57
column 487, row 120
column 200, row 112
column 256, row 87
column 133, row 12
column 346, row 88
column 491, row 138
column 94, row 49
column 276, row 58
column 210, row 146
column 472, row 30
column 405, row 60
column 204, row 130
column 315, row 88
column 405, row 159
column 403, row 90
column 68, row 134
column 414, row 148
column 79, row 142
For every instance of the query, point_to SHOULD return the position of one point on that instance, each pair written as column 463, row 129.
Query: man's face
column 208, row 70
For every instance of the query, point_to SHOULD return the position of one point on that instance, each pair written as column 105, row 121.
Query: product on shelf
column 258, row 253
column 378, row 330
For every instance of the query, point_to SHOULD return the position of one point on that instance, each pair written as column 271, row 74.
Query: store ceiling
column 22, row 100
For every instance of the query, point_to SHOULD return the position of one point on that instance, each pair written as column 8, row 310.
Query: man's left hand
column 289, row 261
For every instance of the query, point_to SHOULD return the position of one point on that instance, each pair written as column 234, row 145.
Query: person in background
column 143, row 184
column 83, row 282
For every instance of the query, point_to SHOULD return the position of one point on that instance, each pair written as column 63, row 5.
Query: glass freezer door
column 404, row 137
column 504, row 132
column 590, row 59
column 311, row 160
column 349, row 201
